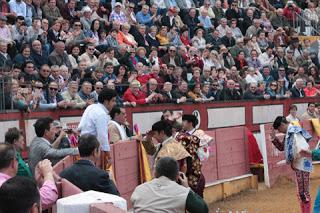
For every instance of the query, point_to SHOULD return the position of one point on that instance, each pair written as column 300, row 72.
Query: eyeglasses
column 77, row 25
column 172, row 50
column 90, row 48
column 55, row 89
column 215, row 85
column 273, row 85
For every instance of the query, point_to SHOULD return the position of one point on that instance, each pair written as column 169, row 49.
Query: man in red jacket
column 134, row 94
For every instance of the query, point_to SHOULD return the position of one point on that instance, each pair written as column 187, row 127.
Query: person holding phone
column 167, row 192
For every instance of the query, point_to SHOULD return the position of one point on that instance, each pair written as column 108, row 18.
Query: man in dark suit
column 5, row 59
column 297, row 89
column 253, row 94
column 68, row 11
column 228, row 39
column 230, row 92
column 169, row 20
column 84, row 174
column 167, row 94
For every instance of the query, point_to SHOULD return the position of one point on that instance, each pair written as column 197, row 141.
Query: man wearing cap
column 117, row 14
column 295, row 141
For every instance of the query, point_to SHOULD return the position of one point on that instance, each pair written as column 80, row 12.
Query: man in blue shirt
column 205, row 20
column 144, row 17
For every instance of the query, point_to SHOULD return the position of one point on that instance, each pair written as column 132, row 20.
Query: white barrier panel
column 226, row 117
column 266, row 114
column 5, row 125
column 146, row 119
column 301, row 109
column 70, row 120
column 30, row 133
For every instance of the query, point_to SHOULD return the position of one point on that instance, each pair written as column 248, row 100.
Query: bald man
column 59, row 56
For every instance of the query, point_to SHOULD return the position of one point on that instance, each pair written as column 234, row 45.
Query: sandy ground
column 279, row 199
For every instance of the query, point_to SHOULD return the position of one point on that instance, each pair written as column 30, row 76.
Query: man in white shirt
column 95, row 120
column 267, row 58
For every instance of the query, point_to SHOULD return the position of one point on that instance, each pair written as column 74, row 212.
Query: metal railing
column 304, row 26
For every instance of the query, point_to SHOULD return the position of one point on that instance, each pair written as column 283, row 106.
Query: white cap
column 117, row 4
column 86, row 9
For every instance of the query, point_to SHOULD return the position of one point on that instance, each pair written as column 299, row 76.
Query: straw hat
column 174, row 150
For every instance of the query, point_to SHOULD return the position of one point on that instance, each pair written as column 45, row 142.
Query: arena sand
column 281, row 198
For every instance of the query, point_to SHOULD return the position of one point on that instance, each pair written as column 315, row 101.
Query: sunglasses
column 37, row 87
column 77, row 25
column 215, row 85
column 99, row 88
column 172, row 50
column 55, row 89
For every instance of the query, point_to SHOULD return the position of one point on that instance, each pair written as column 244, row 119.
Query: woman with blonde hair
column 162, row 36
column 124, row 37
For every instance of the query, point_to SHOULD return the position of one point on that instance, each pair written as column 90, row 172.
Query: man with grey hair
column 279, row 20
column 223, row 27
column 71, row 96
column 253, row 94
column 228, row 40
column 253, row 29
column 297, row 89
column 97, row 89
column 58, row 56
column 56, row 74
column 304, row 60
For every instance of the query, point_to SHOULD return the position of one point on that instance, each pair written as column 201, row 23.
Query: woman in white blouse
column 253, row 76
column 198, row 41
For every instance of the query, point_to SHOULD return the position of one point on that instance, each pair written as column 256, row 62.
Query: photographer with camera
column 168, row 191
column 61, row 140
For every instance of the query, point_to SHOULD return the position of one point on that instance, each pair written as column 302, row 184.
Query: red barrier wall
column 211, row 115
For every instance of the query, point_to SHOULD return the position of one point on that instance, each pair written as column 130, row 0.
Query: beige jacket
column 79, row 103
column 160, row 195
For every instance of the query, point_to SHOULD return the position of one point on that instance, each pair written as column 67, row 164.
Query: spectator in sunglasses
column 52, row 99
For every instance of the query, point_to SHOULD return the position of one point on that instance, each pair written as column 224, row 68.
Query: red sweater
column 140, row 98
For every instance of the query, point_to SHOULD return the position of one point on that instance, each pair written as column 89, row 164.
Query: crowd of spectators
column 57, row 54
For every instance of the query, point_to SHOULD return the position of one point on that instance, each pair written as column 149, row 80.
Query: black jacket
column 295, row 92
column 87, row 177
column 227, row 95
column 248, row 95
column 165, row 21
